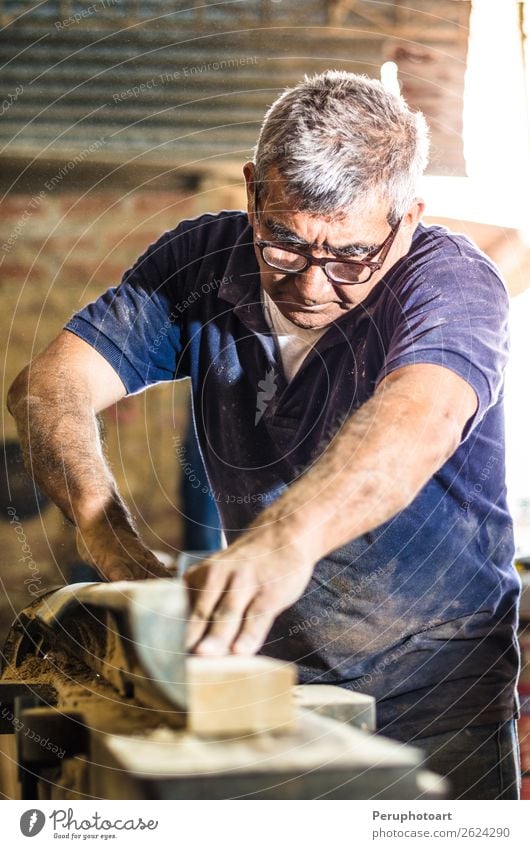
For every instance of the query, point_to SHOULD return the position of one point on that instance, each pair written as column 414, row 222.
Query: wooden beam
column 238, row 695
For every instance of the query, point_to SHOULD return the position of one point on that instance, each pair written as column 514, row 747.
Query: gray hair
column 342, row 141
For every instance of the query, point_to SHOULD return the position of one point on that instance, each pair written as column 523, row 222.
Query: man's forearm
column 376, row 464
column 59, row 436
column 372, row 469
column 54, row 402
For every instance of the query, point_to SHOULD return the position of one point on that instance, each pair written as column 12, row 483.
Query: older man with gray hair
column 346, row 364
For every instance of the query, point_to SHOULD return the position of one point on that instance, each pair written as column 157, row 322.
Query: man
column 346, row 366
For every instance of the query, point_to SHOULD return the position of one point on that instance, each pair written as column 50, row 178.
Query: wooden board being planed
column 236, row 695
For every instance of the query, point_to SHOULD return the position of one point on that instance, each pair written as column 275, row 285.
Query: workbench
column 99, row 699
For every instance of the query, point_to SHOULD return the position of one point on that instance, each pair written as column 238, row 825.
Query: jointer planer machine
column 99, row 699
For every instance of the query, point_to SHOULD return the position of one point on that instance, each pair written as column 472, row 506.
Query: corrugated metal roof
column 174, row 81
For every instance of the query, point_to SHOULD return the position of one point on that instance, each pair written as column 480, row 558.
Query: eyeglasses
column 346, row 272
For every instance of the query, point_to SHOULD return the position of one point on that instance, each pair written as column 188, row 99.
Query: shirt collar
column 241, row 284
column 241, row 275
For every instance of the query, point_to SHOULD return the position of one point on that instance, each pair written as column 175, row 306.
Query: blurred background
column 118, row 119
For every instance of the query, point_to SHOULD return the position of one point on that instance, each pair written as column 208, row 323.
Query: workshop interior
column 118, row 121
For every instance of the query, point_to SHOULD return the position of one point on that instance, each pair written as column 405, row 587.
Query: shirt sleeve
column 453, row 312
column 135, row 324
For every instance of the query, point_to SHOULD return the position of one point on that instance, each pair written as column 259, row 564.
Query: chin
column 308, row 319
column 311, row 320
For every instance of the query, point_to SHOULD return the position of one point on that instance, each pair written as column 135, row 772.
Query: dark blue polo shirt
column 421, row 612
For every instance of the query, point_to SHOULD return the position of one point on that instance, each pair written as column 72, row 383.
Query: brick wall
column 60, row 251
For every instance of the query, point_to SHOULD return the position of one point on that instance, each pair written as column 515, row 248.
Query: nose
column 313, row 286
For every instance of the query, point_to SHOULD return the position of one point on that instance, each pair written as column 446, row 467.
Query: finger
column 205, row 588
column 142, row 563
column 129, row 570
column 256, row 624
column 118, row 573
column 156, row 569
column 225, row 620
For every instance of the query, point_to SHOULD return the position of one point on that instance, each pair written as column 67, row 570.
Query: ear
column 415, row 213
column 249, row 172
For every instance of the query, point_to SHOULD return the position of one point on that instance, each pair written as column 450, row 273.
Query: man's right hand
column 55, row 400
column 118, row 554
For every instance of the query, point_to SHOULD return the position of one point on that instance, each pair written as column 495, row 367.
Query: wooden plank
column 320, row 758
column 238, row 695
column 337, row 703
column 317, row 742
column 9, row 786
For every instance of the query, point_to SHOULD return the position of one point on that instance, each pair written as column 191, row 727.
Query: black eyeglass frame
column 373, row 265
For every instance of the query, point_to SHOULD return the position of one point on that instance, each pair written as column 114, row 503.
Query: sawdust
column 32, row 668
